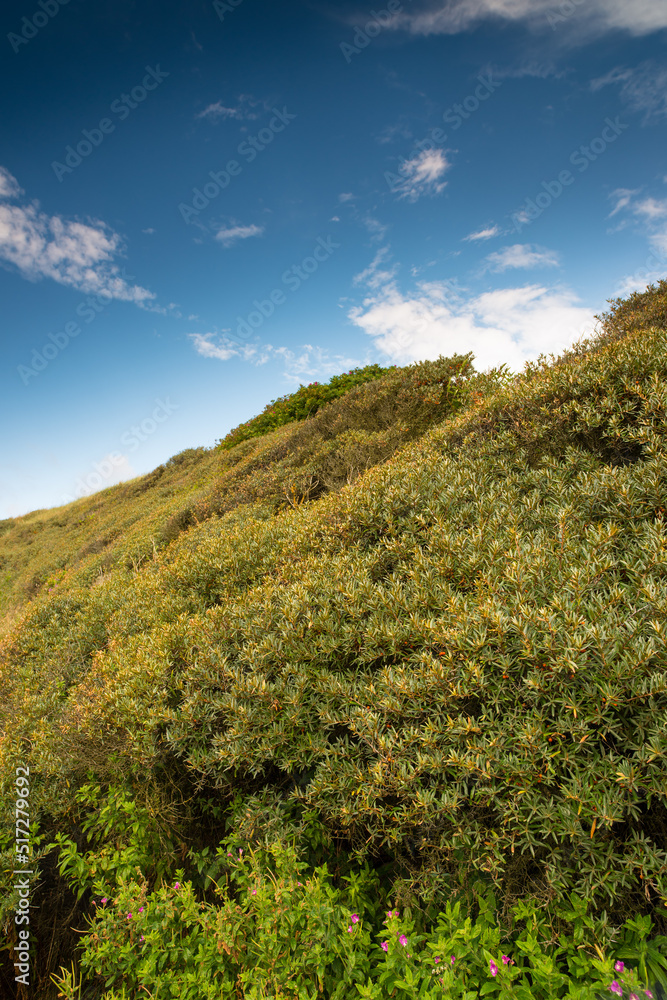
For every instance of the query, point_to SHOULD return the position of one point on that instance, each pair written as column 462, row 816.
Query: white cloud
column 506, row 326
column 346, row 196
column 623, row 198
column 422, row 175
column 9, row 187
column 229, row 236
column 521, row 255
column 643, row 89
column 312, row 362
column 483, row 234
column 245, row 109
column 653, row 215
column 377, row 230
column 595, row 17
column 71, row 253
column 372, row 275
column 652, row 208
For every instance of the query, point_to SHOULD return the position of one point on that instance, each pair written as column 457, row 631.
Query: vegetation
column 372, row 704
column 303, row 403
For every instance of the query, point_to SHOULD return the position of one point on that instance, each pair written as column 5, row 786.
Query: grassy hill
column 397, row 642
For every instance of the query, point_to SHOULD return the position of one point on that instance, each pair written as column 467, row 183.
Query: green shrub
column 280, row 931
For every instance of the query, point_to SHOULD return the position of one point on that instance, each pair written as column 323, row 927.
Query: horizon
column 204, row 206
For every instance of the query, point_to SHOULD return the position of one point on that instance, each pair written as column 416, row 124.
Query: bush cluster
column 421, row 636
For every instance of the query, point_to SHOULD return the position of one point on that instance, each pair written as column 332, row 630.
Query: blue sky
column 204, row 205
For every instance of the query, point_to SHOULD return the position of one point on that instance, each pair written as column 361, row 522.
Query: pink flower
column 141, row 909
column 633, row 996
column 254, row 892
column 403, row 940
column 506, row 960
column 129, row 916
column 619, row 967
column 355, row 918
column 493, row 967
column 453, row 959
column 437, row 959
column 142, row 937
column 349, row 930
column 648, row 994
column 615, row 988
column 177, row 886
column 385, row 946
column 103, row 900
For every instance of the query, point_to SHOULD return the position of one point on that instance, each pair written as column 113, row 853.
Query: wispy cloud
column 374, row 276
column 505, row 326
column 650, row 214
column 9, row 187
column 377, row 230
column 71, row 253
column 229, row 236
column 642, row 89
column 310, row 361
column 482, row 234
column 623, row 198
column 422, row 175
column 521, row 255
column 450, row 17
column 247, row 108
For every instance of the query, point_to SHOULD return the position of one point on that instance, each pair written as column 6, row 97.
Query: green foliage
column 281, row 931
column 420, row 635
column 639, row 311
column 298, row 405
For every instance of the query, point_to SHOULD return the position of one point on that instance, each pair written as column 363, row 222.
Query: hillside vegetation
column 405, row 649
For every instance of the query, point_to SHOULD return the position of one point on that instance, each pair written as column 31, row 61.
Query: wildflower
column 142, row 937
column 437, row 960
column 648, row 994
column 453, row 959
column 385, row 946
column 403, row 940
column 104, row 900
column 254, row 892
column 493, row 967
column 355, row 918
column 615, row 988
column 141, row 909
column 619, row 967
column 129, row 916
column 349, row 930
column 177, row 886
column 633, row 996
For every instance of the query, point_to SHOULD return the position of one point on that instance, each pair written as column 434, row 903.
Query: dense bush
column 422, row 637
column 298, row 405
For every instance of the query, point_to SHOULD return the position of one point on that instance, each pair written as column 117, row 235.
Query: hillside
column 406, row 649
